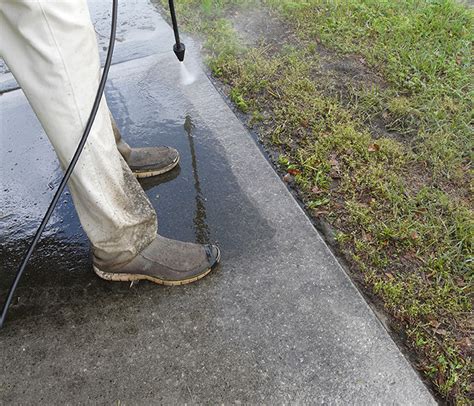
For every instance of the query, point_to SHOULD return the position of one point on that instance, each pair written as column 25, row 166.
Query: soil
column 258, row 26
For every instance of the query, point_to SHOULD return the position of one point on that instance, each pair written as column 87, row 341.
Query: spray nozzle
column 179, row 50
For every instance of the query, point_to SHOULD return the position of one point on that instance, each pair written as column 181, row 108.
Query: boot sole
column 161, row 171
column 129, row 277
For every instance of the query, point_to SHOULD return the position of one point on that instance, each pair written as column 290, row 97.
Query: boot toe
column 213, row 254
column 170, row 155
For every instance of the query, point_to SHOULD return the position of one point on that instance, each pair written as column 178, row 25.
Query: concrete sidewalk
column 278, row 322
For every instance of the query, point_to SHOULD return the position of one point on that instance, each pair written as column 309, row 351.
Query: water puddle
column 200, row 200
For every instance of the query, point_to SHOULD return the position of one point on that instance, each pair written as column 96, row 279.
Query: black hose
column 67, row 175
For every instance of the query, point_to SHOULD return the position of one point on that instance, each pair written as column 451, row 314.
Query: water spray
column 179, row 50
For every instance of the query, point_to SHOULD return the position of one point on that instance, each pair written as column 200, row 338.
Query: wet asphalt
column 278, row 321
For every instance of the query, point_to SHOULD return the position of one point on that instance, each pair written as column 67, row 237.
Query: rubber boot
column 166, row 262
column 145, row 162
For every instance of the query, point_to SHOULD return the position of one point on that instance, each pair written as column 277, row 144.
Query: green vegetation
column 369, row 105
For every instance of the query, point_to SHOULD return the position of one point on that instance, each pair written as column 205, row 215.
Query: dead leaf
column 334, row 162
column 441, row 332
column 461, row 282
column 414, row 235
column 434, row 323
column 374, row 147
column 288, row 178
column 465, row 342
column 316, row 190
column 294, row 172
column 389, row 276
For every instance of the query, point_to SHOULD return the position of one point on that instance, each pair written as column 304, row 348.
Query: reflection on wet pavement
column 201, row 228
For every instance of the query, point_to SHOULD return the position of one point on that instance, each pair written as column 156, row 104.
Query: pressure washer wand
column 179, row 47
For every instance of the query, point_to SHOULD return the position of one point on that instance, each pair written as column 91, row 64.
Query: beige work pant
column 51, row 49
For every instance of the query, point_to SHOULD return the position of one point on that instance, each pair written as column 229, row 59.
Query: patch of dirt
column 342, row 77
column 350, row 69
column 256, row 26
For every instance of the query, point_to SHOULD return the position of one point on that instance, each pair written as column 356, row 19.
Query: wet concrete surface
column 140, row 33
column 277, row 322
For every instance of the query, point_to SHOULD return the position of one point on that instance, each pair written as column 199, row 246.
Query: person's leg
column 51, row 49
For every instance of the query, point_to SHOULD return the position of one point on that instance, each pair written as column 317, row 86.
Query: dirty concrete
column 277, row 322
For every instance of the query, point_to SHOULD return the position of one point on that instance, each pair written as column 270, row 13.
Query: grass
column 384, row 159
column 423, row 48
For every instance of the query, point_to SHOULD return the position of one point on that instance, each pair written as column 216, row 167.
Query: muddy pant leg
column 51, row 49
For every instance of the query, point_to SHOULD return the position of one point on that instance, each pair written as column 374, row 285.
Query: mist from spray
column 186, row 76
